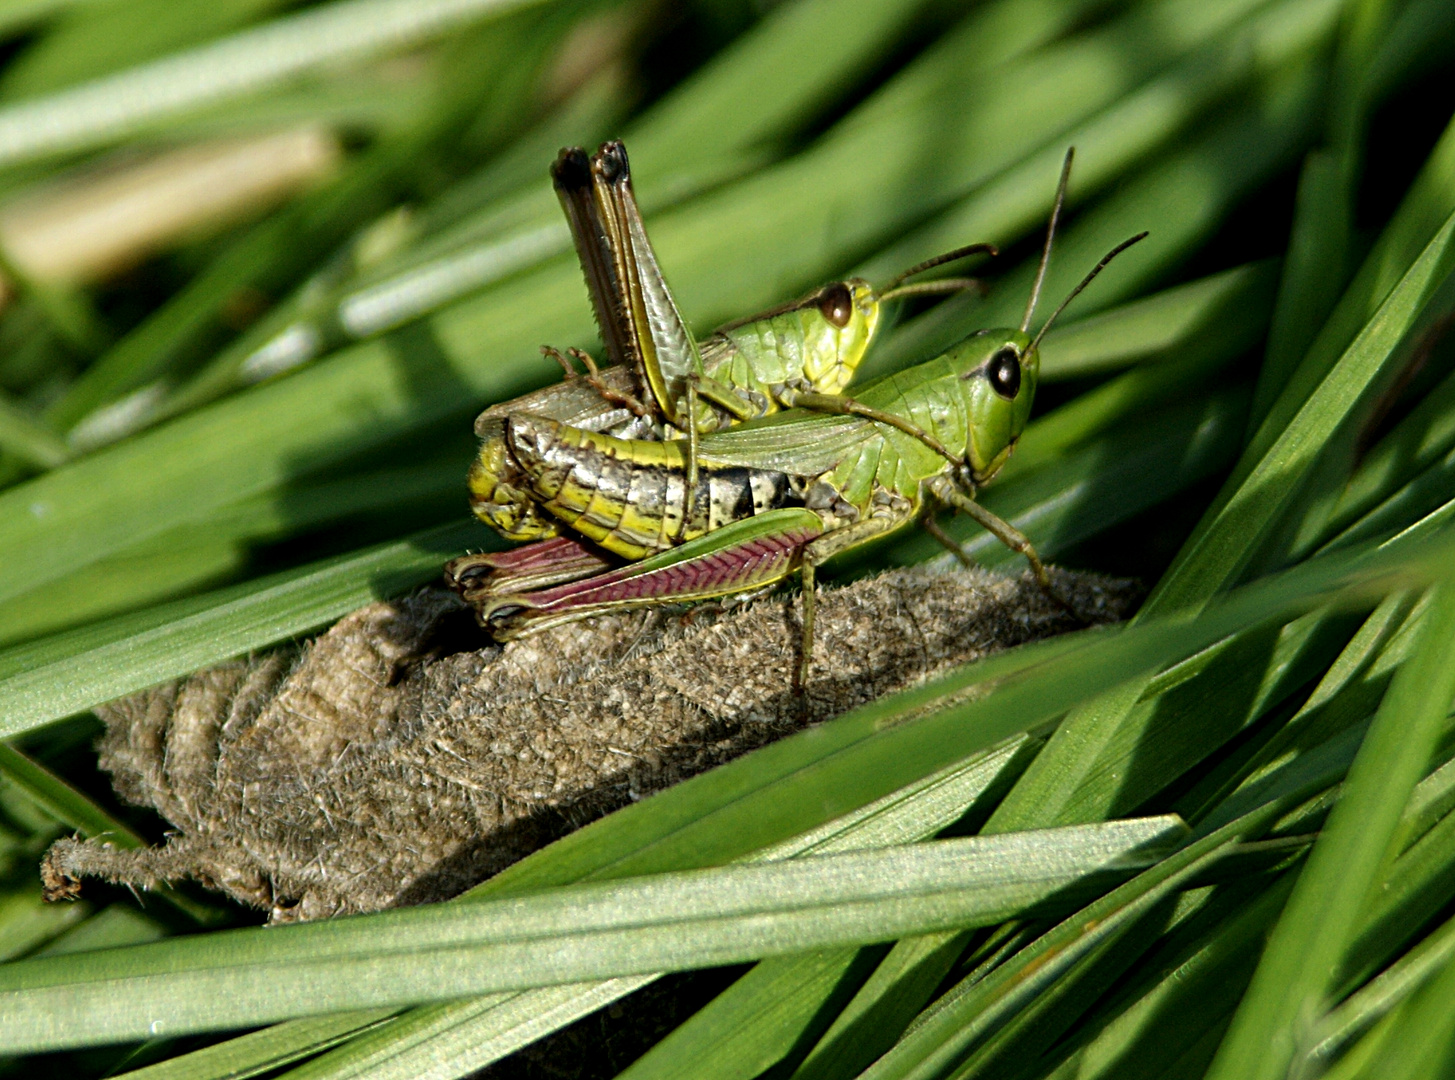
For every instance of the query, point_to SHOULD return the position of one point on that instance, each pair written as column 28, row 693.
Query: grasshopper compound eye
column 836, row 304
column 1004, row 373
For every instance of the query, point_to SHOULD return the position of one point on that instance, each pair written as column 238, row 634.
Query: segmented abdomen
column 629, row 495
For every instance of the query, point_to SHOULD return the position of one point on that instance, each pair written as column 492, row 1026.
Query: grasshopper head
column 848, row 313
column 998, row 371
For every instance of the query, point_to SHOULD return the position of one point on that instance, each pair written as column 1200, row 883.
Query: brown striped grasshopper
column 661, row 383
column 783, row 494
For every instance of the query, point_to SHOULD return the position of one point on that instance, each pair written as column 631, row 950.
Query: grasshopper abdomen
column 630, row 496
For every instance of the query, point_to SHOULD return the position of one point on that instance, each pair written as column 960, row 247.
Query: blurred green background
column 261, row 263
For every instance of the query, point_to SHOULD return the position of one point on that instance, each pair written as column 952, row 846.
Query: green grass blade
column 1187, row 998
column 1313, row 274
column 28, row 439
column 1224, row 313
column 971, row 1012
column 1227, row 536
column 447, row 1041
column 1294, row 976
column 1418, row 442
column 1259, row 486
column 1373, row 1001
column 701, row 918
column 1421, row 216
column 899, row 988
column 57, row 676
column 28, row 922
column 1411, row 893
column 261, row 1051
column 779, row 1005
column 1422, row 1041
column 782, row 1004
column 112, row 107
column 60, row 799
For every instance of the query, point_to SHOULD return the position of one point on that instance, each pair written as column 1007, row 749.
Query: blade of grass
column 1415, row 889
column 1288, row 991
column 756, row 1023
column 899, row 988
column 969, row 1013
column 27, row 922
column 109, row 108
column 62, row 801
column 1224, row 312
column 445, row 1041
column 1373, row 1001
column 74, row 670
column 28, row 439
column 1228, row 533
column 269, row 257
column 18, row 14
column 781, row 1004
column 699, row 918
column 1141, row 1035
column 1422, row 1040
column 1421, row 216
column 260, row 1051
column 100, row 40
column 1314, row 272
column 1418, row 442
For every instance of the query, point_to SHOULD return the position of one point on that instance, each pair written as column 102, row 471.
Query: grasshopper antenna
column 1050, row 236
column 1087, row 280
column 893, row 290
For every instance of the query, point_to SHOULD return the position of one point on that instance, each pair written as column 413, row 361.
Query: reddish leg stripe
column 542, row 553
column 723, row 571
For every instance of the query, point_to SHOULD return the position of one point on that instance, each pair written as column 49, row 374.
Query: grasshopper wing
column 797, row 442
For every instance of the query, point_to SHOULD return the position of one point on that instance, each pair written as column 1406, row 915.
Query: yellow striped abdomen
column 630, row 495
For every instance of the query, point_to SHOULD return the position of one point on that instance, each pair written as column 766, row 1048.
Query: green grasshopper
column 661, row 382
column 784, row 494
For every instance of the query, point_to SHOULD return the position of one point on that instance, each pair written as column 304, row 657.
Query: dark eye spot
column 1004, row 373
column 836, row 304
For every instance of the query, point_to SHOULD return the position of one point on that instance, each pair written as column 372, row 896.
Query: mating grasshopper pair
column 735, row 509
column 661, row 382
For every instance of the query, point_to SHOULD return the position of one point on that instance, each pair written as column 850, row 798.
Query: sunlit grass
column 241, row 431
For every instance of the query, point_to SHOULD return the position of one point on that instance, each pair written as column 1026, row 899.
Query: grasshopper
column 784, row 494
column 661, row 383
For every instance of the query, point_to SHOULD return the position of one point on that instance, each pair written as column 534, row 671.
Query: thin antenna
column 938, row 260
column 934, row 288
column 1098, row 268
column 1050, row 235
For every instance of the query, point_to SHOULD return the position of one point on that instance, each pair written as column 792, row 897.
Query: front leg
column 945, row 491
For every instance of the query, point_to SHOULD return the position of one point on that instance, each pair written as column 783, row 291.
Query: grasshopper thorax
column 997, row 372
